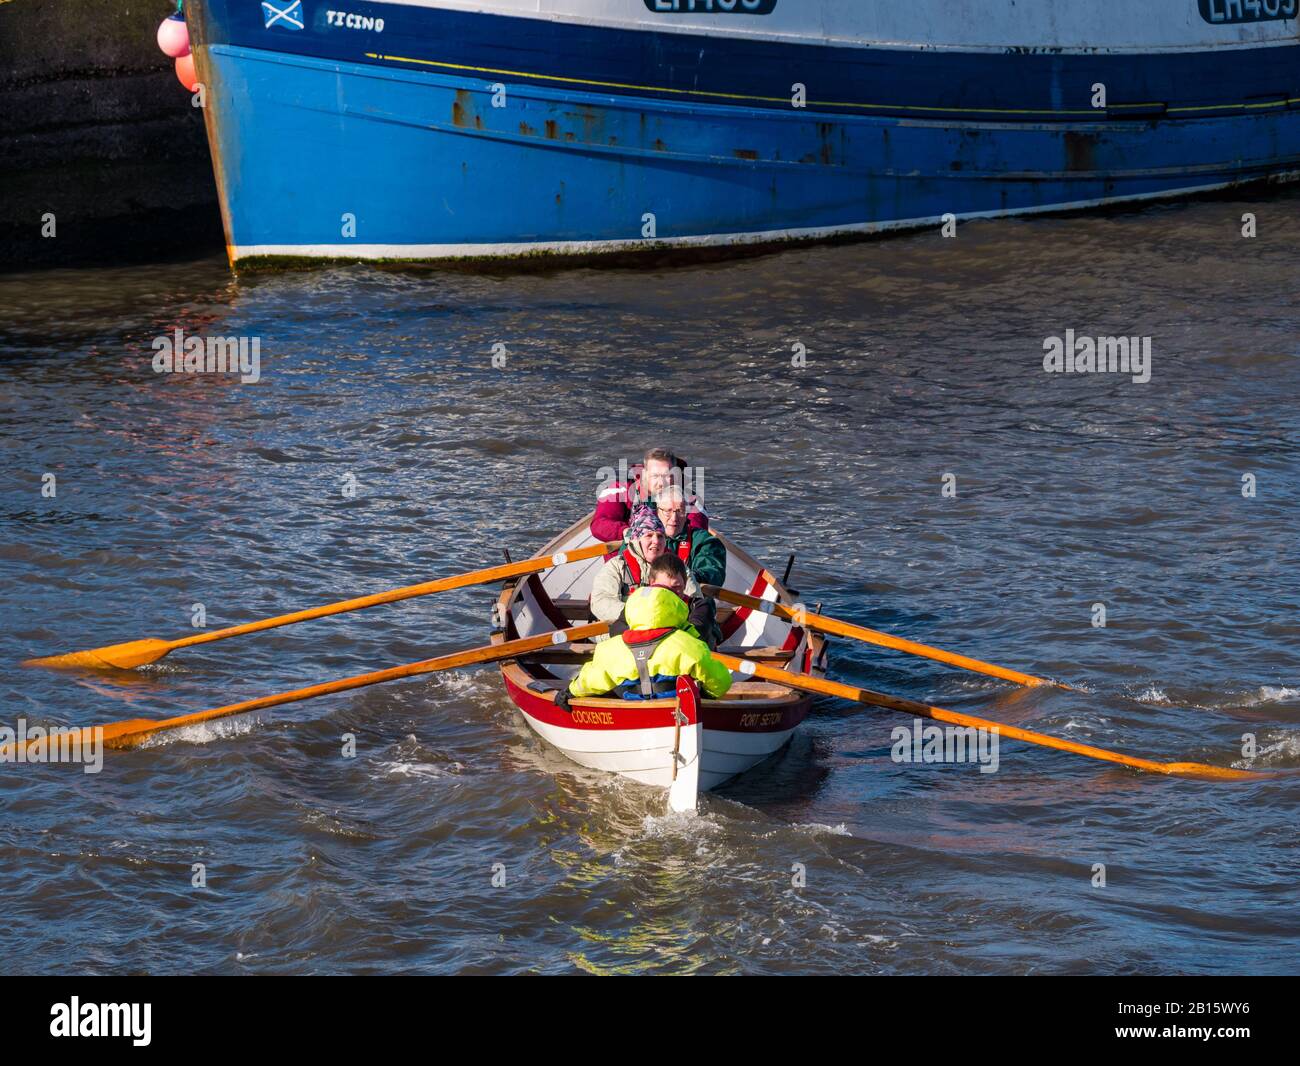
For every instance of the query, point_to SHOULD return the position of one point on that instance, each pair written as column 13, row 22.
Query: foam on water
column 428, row 771
column 1270, row 694
column 1275, row 749
column 206, row 732
column 818, row 829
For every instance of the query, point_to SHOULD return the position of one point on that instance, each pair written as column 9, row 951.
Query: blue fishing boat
column 434, row 129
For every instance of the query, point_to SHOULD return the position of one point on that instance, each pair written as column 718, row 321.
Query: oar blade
column 110, row 657
column 131, row 733
column 1213, row 773
column 136, row 653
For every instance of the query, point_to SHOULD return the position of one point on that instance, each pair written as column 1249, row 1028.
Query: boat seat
column 769, row 654
column 756, row 690
column 573, row 609
column 576, row 610
column 573, row 653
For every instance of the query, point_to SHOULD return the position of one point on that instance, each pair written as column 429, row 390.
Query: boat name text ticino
column 354, row 22
column 721, row 7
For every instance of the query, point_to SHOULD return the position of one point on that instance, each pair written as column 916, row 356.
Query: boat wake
column 412, row 759
column 426, row 770
column 1269, row 694
column 817, row 829
column 1276, row 749
column 1224, row 699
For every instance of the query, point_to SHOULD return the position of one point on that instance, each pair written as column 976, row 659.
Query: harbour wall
column 96, row 130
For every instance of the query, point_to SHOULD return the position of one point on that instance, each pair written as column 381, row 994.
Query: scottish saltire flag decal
column 286, row 13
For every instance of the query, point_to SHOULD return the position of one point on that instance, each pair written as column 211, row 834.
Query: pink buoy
column 174, row 36
column 185, row 72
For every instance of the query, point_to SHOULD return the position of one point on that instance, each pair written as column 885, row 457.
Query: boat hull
column 455, row 133
column 639, row 743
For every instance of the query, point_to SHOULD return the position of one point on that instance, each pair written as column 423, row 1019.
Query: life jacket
column 633, row 565
column 643, row 643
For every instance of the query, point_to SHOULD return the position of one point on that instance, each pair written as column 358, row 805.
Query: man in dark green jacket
column 704, row 554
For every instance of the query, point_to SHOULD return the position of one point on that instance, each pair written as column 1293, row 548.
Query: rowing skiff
column 665, row 743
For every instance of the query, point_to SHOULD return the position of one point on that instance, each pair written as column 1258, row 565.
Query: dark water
column 924, row 358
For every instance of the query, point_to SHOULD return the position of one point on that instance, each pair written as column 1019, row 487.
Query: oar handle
column 425, row 588
column 821, row 685
column 873, row 636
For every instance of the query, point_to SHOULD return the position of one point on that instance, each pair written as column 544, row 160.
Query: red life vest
column 634, row 567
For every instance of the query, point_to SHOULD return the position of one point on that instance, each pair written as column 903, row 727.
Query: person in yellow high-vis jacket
column 645, row 661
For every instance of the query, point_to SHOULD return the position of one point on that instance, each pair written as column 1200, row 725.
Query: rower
column 704, row 554
column 629, row 569
column 670, row 572
column 615, row 503
column 656, row 647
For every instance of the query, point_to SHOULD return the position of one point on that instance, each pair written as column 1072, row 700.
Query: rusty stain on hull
column 462, row 110
column 1080, row 151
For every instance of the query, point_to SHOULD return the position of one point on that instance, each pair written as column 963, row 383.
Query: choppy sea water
column 923, row 359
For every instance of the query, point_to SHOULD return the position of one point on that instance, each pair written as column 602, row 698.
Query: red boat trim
column 688, row 699
column 729, row 716
column 739, row 615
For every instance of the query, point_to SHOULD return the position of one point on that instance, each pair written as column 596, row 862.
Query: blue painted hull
column 378, row 155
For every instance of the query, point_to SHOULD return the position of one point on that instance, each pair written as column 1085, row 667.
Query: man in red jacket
column 656, row 471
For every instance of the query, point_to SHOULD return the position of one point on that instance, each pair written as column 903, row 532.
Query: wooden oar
column 873, row 636
column 131, row 733
column 924, row 710
column 141, row 652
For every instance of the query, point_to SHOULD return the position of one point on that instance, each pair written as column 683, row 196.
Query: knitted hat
column 644, row 520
